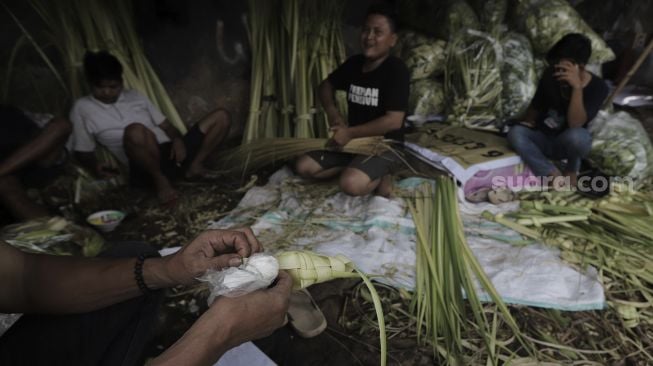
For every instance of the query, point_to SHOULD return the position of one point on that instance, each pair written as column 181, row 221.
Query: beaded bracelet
column 138, row 273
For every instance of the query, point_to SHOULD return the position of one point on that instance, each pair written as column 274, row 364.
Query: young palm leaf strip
column 446, row 270
column 308, row 268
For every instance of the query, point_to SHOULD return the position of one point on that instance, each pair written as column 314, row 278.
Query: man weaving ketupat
column 377, row 86
column 568, row 97
column 137, row 133
column 102, row 311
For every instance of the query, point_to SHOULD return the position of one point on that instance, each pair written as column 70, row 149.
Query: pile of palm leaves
column 613, row 234
column 263, row 152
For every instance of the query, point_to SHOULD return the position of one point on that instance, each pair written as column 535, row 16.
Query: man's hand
column 178, row 150
column 213, row 249
column 229, row 322
column 336, row 119
column 570, row 73
column 529, row 124
column 252, row 316
column 341, row 136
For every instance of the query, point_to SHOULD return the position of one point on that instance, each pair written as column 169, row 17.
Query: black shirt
column 551, row 101
column 371, row 94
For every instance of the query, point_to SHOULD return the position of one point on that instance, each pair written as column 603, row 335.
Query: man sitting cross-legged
column 137, row 133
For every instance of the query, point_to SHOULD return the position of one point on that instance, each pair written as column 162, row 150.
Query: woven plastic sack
column 620, row 146
column 545, row 22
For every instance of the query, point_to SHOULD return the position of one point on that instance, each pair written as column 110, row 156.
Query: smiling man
column 137, row 133
column 377, row 86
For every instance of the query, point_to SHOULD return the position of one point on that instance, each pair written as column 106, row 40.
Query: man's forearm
column 576, row 115
column 74, row 285
column 197, row 347
column 327, row 100
column 54, row 133
column 379, row 126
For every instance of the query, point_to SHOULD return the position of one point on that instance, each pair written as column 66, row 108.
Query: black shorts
column 138, row 177
column 374, row 167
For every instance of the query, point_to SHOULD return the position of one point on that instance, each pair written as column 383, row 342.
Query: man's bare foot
column 385, row 187
column 197, row 171
column 557, row 181
column 573, row 179
column 165, row 192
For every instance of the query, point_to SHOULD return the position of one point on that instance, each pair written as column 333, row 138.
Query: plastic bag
column 472, row 81
column 438, row 18
column 545, row 22
column 257, row 272
column 426, row 98
column 517, row 74
column 423, row 56
column 620, row 146
column 460, row 17
column 491, row 13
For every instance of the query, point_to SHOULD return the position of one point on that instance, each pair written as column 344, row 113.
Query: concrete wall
column 202, row 67
column 203, row 70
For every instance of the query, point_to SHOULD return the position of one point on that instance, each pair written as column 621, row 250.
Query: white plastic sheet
column 378, row 235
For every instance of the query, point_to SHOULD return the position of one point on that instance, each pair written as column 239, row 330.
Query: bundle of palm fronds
column 445, row 275
column 295, row 44
column 260, row 153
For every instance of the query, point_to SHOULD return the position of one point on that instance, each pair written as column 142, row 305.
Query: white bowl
column 106, row 220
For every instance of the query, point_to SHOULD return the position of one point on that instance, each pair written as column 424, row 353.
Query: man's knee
column 517, row 136
column 306, row 167
column 578, row 140
column 354, row 182
column 223, row 119
column 135, row 134
column 220, row 119
column 61, row 126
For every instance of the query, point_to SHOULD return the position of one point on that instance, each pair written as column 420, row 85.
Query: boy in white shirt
column 137, row 133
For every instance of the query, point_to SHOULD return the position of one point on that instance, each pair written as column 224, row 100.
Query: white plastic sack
column 620, row 146
column 257, row 272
